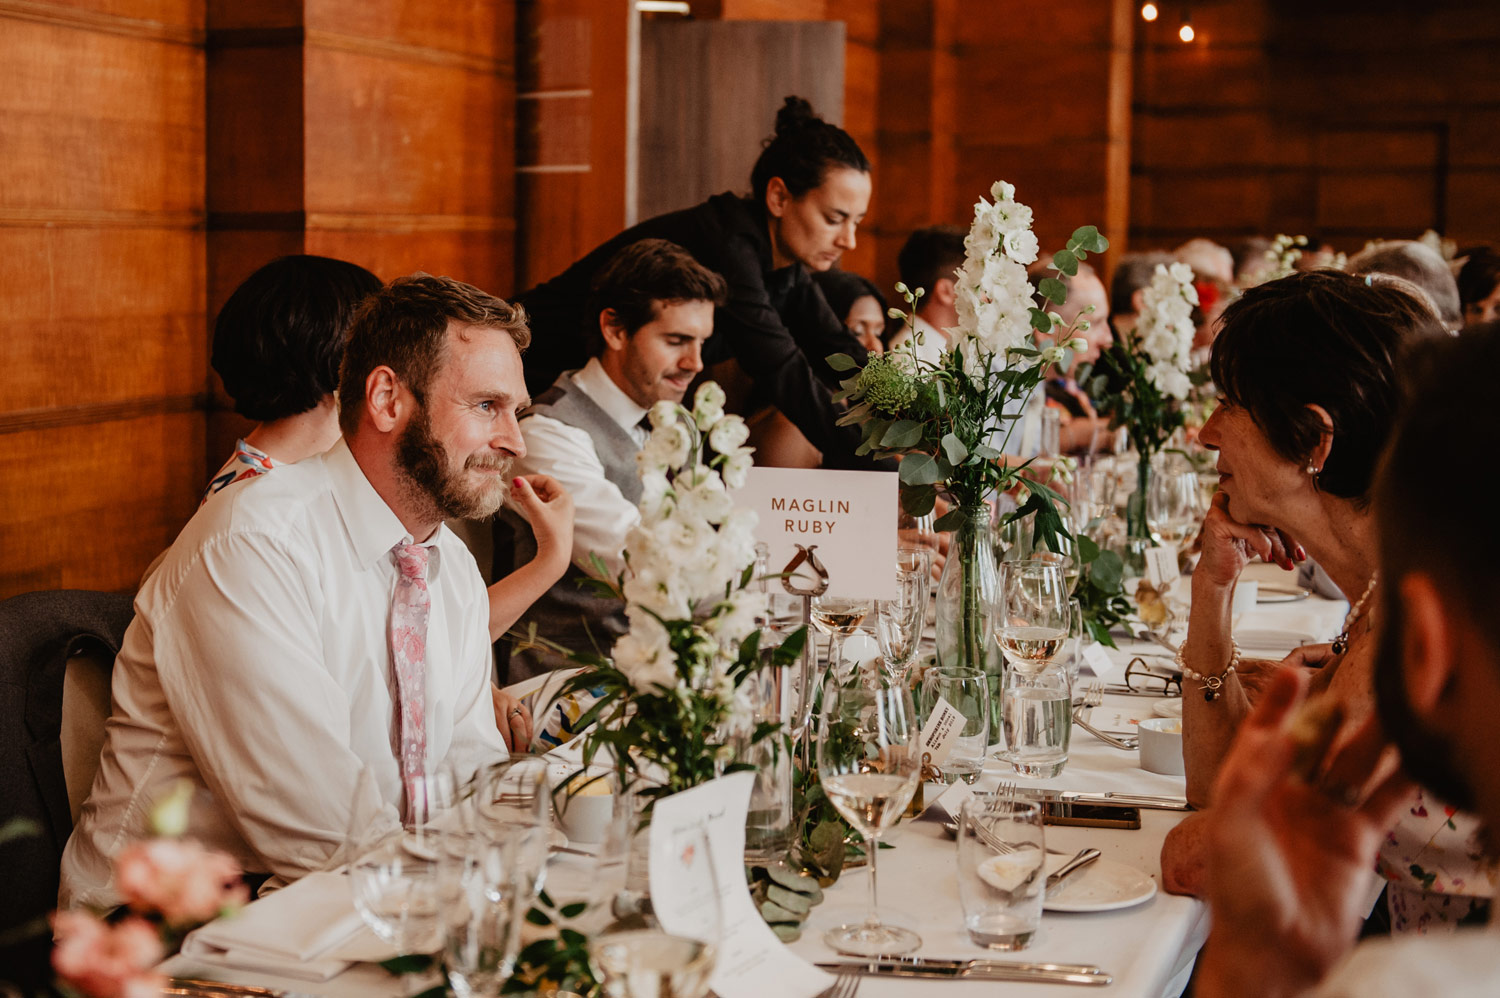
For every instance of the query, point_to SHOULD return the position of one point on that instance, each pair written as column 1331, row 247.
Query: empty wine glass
column 512, row 801
column 1034, row 613
column 899, row 621
column 838, row 617
column 482, row 920
column 869, row 762
column 1174, row 504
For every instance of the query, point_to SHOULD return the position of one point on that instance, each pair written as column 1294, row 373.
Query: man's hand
column 1229, row 544
column 1290, row 845
column 547, row 506
column 513, row 720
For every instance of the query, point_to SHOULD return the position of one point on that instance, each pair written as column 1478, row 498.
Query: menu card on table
column 752, row 962
column 848, row 516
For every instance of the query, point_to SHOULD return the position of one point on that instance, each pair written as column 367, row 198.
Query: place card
column 751, row 961
column 944, row 727
column 848, row 517
column 951, row 801
column 1103, row 664
column 1161, row 567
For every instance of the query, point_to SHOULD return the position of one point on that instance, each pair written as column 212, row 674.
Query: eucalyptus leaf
column 842, row 362
column 1065, row 261
column 1053, row 290
column 955, row 450
column 903, row 433
column 1040, row 320
column 918, row 500
column 950, row 520
column 920, row 469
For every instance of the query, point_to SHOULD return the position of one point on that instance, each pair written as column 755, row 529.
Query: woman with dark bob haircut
column 1309, row 373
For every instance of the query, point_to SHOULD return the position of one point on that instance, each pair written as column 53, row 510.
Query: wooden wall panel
column 482, row 258
column 481, row 28
column 89, row 506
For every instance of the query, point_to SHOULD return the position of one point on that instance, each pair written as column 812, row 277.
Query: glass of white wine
column 1036, row 707
column 899, row 621
column 1034, row 613
column 637, row 958
column 869, row 762
column 1174, row 504
column 838, row 617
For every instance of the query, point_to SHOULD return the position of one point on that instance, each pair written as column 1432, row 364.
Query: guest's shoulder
column 1455, row 965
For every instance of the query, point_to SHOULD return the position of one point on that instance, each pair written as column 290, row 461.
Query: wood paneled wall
column 102, row 276
column 1349, row 121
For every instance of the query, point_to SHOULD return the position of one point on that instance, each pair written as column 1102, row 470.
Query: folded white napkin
column 309, row 930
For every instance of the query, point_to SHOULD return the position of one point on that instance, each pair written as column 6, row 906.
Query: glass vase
column 1137, row 530
column 967, row 595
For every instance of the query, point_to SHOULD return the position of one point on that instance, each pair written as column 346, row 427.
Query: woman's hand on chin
column 1228, row 545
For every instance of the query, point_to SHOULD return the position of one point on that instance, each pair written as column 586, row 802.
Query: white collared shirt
column 258, row 668
column 601, row 515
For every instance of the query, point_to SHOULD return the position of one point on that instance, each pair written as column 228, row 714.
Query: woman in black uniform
column 810, row 189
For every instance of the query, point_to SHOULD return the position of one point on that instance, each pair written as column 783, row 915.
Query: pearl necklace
column 1341, row 643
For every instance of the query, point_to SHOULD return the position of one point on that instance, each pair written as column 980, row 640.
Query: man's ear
column 777, row 197
column 1428, row 646
column 944, row 291
column 385, row 403
column 609, row 327
column 1138, row 300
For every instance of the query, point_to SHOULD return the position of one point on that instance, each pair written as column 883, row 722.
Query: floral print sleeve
column 1438, row 876
column 245, row 462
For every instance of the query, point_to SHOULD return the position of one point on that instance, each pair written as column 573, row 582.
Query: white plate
column 1103, row 885
column 1273, row 641
column 1167, row 708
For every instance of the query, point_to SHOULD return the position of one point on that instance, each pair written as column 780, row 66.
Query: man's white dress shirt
column 1458, row 964
column 258, row 668
column 601, row 515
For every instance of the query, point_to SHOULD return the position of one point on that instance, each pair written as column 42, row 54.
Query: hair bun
column 795, row 113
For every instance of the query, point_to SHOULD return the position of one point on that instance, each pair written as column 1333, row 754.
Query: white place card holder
column 1161, row 567
column 944, row 727
column 751, row 961
column 849, row 515
column 1103, row 665
column 952, row 800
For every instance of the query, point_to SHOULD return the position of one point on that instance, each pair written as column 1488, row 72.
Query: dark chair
column 56, row 650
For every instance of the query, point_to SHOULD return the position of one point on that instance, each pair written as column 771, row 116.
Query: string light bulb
column 1149, row 12
column 1186, row 32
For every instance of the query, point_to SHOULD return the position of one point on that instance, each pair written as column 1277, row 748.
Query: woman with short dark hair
column 1309, row 371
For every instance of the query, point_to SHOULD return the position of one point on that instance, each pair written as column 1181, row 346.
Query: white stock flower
column 1180, row 272
column 1021, row 246
column 1002, row 191
column 728, row 433
column 666, row 449
column 1166, row 328
column 644, row 655
column 708, row 404
column 663, row 413
column 736, row 467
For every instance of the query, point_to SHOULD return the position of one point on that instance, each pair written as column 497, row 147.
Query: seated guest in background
column 322, row 620
column 1479, row 286
column 1292, row 839
column 1209, row 260
column 1127, row 288
column 277, row 346
column 1421, row 265
column 1251, row 264
column 1082, row 427
column 858, row 304
column 1298, row 442
column 653, row 308
column 928, row 260
column 810, row 189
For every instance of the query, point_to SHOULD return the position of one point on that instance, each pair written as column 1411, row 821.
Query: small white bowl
column 585, row 817
column 1161, row 745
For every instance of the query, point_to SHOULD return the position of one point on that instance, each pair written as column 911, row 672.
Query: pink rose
column 185, row 882
column 107, row 961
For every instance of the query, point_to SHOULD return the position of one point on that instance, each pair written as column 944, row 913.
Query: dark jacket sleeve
column 792, row 372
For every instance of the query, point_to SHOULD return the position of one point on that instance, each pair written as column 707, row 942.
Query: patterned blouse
column 1437, row 873
column 246, row 462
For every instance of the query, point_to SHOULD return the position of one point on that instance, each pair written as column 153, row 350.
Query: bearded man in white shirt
column 322, row 620
column 654, row 305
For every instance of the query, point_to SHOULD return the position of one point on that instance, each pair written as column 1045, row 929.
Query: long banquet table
column 1148, row 948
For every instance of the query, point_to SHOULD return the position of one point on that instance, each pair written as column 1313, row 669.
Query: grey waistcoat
column 568, row 614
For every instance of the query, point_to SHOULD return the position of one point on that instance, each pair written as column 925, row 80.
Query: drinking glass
column 1037, row 720
column 1174, row 504
column 1072, row 657
column 400, row 884
column 968, row 691
column 489, row 899
column 512, row 802
column 637, row 958
column 869, row 762
column 899, row 621
column 1001, row 859
column 838, row 617
column 1034, row 613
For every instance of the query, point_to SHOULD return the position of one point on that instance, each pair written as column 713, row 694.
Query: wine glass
column 512, row 801
column 899, row 621
column 637, row 957
column 869, row 762
column 1034, row 614
column 1174, row 504
column 400, row 883
column 489, row 898
column 838, row 617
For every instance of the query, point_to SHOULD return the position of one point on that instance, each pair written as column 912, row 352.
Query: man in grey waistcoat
column 654, row 306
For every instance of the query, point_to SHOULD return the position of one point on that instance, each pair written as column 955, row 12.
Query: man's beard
column 423, row 460
column 1426, row 755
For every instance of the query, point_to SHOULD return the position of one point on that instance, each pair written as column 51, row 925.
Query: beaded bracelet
column 1211, row 684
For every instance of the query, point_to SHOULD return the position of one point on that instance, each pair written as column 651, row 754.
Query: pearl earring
column 1311, row 470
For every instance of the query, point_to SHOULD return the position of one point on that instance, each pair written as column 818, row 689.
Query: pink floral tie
column 409, row 607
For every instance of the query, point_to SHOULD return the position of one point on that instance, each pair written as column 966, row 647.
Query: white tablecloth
column 1149, row 948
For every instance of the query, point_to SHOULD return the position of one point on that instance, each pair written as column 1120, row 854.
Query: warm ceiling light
column 1148, row 11
column 1185, row 32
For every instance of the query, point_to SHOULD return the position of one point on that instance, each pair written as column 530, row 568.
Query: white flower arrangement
column 1166, row 328
column 993, row 296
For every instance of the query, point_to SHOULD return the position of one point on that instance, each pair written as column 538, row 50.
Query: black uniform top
column 776, row 323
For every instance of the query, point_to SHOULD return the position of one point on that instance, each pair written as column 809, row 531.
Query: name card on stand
column 751, row 961
column 850, row 516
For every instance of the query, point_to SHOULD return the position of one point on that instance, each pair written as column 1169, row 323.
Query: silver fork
column 844, row 985
column 1093, row 696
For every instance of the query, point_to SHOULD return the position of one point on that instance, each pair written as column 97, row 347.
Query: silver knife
column 978, row 970
column 1160, row 803
column 191, row 987
column 1069, row 868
